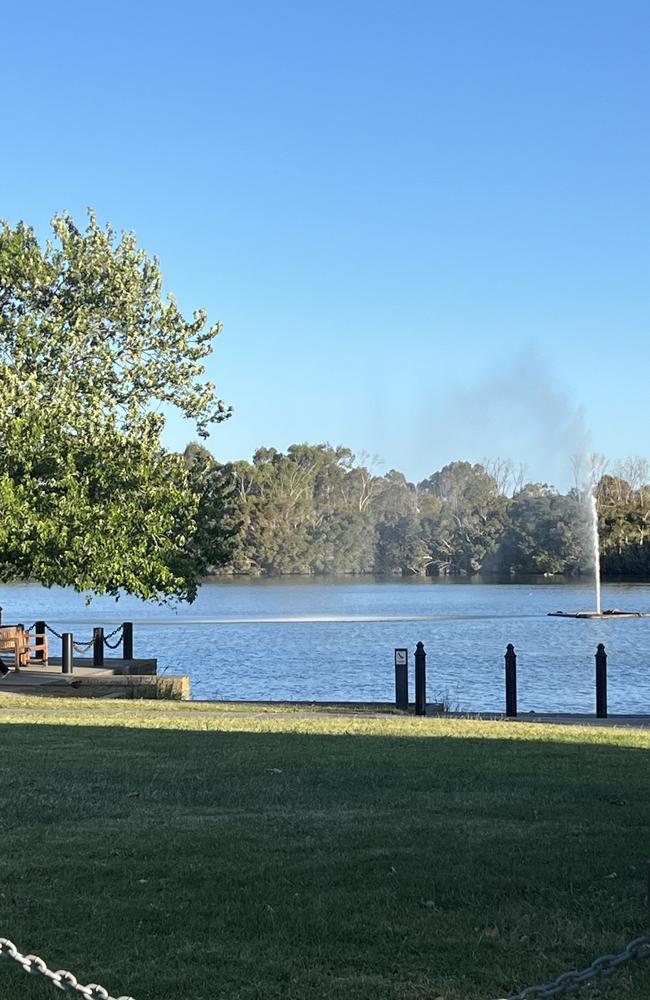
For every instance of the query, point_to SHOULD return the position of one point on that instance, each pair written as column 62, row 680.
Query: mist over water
column 519, row 410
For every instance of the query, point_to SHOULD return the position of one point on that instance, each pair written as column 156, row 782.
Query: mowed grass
column 184, row 853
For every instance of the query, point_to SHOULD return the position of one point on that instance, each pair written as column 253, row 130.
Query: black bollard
column 601, row 682
column 39, row 641
column 127, row 640
column 98, row 647
column 0, row 616
column 420, row 680
column 511, row 681
column 402, row 679
column 67, row 653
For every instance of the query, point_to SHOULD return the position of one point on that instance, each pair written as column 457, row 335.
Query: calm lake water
column 314, row 639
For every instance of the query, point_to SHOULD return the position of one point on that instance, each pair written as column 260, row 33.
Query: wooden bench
column 15, row 640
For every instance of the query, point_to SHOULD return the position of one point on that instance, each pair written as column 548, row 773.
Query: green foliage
column 470, row 517
column 546, row 532
column 315, row 510
column 88, row 351
column 624, row 522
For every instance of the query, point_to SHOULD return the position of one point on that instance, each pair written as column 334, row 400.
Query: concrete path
column 28, row 682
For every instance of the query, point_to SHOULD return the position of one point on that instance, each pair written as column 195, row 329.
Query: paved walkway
column 380, row 709
column 566, row 719
column 28, row 682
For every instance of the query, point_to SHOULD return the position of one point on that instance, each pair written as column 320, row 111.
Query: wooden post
column 67, row 653
column 98, row 647
column 420, row 680
column 39, row 643
column 511, row 681
column 127, row 640
column 601, row 682
column 402, row 679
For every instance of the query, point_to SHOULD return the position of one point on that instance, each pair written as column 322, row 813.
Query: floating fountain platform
column 614, row 613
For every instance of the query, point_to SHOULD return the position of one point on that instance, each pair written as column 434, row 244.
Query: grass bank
column 180, row 852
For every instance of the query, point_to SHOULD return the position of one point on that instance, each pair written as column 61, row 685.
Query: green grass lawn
column 175, row 852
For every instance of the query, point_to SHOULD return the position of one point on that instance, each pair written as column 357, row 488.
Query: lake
column 320, row 639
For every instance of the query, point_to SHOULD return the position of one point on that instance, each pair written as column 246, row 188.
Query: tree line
column 92, row 356
column 316, row 509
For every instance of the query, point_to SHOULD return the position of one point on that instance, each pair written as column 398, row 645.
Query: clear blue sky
column 424, row 225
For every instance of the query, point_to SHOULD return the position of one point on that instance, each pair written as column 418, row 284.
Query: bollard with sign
column 402, row 679
column 420, row 680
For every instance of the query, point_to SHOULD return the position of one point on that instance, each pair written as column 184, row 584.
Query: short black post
column 420, row 680
column 511, row 680
column 601, row 682
column 0, row 616
column 67, row 653
column 127, row 640
column 402, row 679
column 39, row 641
column 98, row 647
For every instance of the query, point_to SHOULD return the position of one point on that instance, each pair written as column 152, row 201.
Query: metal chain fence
column 603, row 966
column 83, row 647
column 79, row 646
column 63, row 980
column 114, row 645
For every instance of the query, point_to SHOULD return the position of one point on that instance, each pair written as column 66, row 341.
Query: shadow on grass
column 176, row 864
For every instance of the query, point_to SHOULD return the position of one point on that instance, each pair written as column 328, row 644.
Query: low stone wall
column 165, row 688
column 140, row 667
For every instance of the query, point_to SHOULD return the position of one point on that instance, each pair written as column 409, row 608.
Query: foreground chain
column 567, row 982
column 603, row 966
column 63, row 980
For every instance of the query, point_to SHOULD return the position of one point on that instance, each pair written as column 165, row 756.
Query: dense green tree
column 467, row 515
column 89, row 352
column 624, row 525
column 403, row 547
column 546, row 532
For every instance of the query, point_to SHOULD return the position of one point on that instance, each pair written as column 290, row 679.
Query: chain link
column 114, row 645
column 63, row 980
column 53, row 631
column 603, row 966
column 81, row 647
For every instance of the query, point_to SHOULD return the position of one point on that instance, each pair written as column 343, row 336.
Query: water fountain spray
column 595, row 544
column 589, row 493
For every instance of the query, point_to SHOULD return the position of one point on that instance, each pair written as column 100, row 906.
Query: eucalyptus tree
column 90, row 354
column 466, row 511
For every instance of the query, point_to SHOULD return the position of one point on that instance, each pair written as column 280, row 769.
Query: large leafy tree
column 545, row 532
column 466, row 512
column 90, row 352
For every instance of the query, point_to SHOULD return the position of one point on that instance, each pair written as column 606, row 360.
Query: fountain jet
column 595, row 549
column 595, row 544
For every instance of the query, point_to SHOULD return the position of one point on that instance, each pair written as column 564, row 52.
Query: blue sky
column 424, row 225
